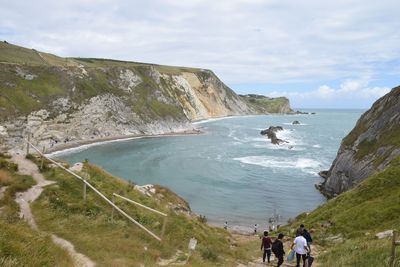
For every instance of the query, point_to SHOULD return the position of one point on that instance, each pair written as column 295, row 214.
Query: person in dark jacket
column 277, row 247
column 308, row 237
column 266, row 243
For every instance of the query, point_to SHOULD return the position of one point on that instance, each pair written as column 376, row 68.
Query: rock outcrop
column 63, row 100
column 271, row 134
column 368, row 148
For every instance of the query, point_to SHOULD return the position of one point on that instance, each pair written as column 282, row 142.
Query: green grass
column 17, row 54
column 267, row 104
column 88, row 225
column 19, row 244
column 389, row 137
column 357, row 215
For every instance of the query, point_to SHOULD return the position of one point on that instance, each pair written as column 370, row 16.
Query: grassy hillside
column 31, row 80
column 346, row 225
column 268, row 104
column 19, row 244
column 88, row 225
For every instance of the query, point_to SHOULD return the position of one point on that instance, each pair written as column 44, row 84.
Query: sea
column 232, row 173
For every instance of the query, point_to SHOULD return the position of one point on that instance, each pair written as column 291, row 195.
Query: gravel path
column 27, row 167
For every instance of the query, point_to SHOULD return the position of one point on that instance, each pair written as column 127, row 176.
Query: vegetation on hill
column 346, row 225
column 88, row 225
column 388, row 130
column 31, row 80
column 268, row 104
column 19, row 244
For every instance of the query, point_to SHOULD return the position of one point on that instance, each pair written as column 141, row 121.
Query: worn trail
column 27, row 167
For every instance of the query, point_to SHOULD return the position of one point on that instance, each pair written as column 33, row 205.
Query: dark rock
column 295, row 122
column 271, row 134
column 357, row 158
column 324, row 174
column 298, row 112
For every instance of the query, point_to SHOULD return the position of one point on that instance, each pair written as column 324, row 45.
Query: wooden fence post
column 112, row 211
column 84, row 187
column 41, row 163
column 163, row 227
column 28, row 144
column 394, row 244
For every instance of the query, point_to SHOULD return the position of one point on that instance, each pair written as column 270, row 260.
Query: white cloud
column 350, row 91
column 257, row 41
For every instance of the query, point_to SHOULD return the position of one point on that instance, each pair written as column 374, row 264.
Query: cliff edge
column 368, row 148
column 63, row 100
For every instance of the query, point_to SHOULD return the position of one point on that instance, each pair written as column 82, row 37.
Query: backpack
column 275, row 247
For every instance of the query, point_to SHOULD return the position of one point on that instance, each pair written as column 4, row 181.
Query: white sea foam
column 305, row 164
column 316, row 146
column 300, row 124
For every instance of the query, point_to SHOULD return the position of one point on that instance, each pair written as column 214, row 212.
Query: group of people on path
column 301, row 246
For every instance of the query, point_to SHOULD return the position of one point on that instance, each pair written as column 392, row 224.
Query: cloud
column 355, row 91
column 257, row 41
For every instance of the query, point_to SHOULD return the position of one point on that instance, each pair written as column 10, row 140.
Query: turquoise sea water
column 232, row 173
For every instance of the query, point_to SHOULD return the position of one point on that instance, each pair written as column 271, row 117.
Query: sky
column 319, row 54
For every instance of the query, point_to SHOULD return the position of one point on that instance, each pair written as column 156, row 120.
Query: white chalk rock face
column 147, row 189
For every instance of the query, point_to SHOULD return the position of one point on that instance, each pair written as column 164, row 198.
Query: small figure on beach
column 277, row 249
column 266, row 245
column 226, row 225
column 255, row 228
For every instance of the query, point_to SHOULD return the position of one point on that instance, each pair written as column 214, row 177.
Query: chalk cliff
column 62, row 100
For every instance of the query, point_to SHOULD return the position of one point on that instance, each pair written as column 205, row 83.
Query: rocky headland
column 368, row 148
column 67, row 101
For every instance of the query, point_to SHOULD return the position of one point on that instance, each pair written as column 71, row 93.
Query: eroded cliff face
column 368, row 148
column 59, row 100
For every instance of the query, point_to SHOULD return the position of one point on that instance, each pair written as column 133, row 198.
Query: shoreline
column 65, row 148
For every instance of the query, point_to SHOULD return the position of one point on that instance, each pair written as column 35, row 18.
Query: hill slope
column 107, row 240
column 366, row 175
column 368, row 148
column 61, row 100
column 346, row 225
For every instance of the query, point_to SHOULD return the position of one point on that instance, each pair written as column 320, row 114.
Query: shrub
column 5, row 164
column 208, row 254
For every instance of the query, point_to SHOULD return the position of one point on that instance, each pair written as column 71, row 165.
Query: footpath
column 24, row 199
column 257, row 262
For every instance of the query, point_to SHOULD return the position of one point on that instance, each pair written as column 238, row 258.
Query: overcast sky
column 332, row 54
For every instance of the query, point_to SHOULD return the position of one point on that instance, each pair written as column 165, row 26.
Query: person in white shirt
column 301, row 249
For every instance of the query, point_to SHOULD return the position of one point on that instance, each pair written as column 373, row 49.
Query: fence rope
column 98, row 192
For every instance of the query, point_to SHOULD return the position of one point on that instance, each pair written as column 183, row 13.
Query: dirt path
column 2, row 190
column 27, row 167
column 315, row 250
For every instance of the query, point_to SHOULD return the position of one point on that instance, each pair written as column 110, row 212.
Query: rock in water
column 295, row 122
column 271, row 134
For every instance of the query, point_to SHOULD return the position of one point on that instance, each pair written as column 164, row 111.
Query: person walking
column 308, row 238
column 277, row 249
column 301, row 249
column 255, row 228
column 300, row 230
column 226, row 225
column 266, row 243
